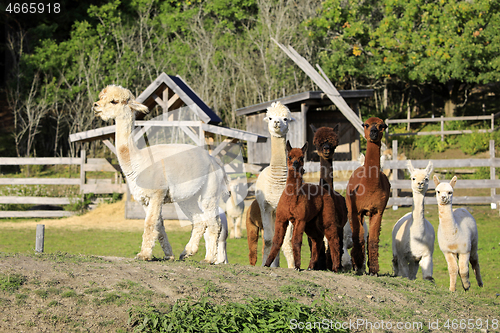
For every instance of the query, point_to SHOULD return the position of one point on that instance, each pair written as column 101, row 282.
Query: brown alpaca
column 326, row 140
column 254, row 226
column 367, row 194
column 311, row 209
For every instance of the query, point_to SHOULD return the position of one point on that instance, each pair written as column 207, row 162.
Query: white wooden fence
column 97, row 186
column 399, row 184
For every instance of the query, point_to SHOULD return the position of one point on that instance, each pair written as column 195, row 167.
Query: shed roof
column 311, row 98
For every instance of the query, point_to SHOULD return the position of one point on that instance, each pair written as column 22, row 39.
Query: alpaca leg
column 334, row 237
column 317, row 248
column 230, row 226
column 191, row 209
column 221, row 243
column 427, row 267
column 412, row 269
column 463, row 265
column 162, row 237
column 346, row 258
column 237, row 227
column 451, row 259
column 373, row 237
column 395, row 265
column 298, row 233
column 214, row 228
column 253, row 240
column 150, row 234
column 268, row 223
column 287, row 246
column 474, row 261
column 358, row 242
column 277, row 242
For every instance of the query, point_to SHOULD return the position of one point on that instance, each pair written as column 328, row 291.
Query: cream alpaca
column 235, row 207
column 197, row 189
column 221, row 243
column 272, row 180
column 457, row 236
column 413, row 236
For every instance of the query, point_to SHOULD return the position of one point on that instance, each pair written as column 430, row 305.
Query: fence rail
column 97, row 186
column 441, row 120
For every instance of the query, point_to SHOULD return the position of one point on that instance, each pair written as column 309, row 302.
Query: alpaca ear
column 453, row 181
column 266, row 119
column 136, row 106
column 288, row 146
column 304, row 148
column 291, row 119
column 436, row 180
column 429, row 168
column 409, row 166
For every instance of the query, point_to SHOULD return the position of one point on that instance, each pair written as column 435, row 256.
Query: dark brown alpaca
column 367, row 194
column 326, row 140
column 311, row 209
column 254, row 226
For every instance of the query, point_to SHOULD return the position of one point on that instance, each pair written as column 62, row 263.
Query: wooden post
column 492, row 122
column 442, row 129
column 492, row 168
column 394, row 171
column 82, row 169
column 303, row 110
column 40, row 235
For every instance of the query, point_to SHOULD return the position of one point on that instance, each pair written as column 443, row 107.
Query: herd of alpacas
column 285, row 206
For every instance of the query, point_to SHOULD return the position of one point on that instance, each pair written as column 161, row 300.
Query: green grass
column 127, row 244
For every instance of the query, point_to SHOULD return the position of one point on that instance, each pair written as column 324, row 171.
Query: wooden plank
column 98, row 133
column 461, row 183
column 434, row 120
column 104, row 188
column 35, row 213
column 234, row 133
column 39, row 161
column 134, row 210
column 34, row 200
column 465, row 200
column 100, row 164
column 39, row 181
column 165, row 123
column 441, row 132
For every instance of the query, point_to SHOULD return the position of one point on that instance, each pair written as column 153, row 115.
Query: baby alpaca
column 457, row 236
column 234, row 209
column 413, row 236
column 310, row 209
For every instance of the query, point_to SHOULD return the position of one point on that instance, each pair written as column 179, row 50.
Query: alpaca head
column 115, row 100
column 326, row 140
column 419, row 177
column 444, row 191
column 374, row 129
column 295, row 158
column 278, row 117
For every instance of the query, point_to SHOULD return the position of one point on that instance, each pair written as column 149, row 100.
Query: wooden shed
column 184, row 112
column 308, row 108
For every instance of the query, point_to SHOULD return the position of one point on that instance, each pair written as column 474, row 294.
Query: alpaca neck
column 293, row 182
column 372, row 160
column 326, row 173
column 125, row 146
column 418, row 211
column 278, row 157
column 446, row 219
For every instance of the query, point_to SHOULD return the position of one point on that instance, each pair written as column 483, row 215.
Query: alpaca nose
column 96, row 105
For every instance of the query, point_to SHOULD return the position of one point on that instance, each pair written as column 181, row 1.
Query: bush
column 474, row 143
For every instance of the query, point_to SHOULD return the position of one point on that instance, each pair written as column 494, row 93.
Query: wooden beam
column 39, row 181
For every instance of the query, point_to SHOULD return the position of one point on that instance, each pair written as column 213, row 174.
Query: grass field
column 127, row 244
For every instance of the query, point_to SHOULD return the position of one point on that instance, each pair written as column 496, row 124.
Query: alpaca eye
column 413, row 178
column 114, row 102
column 285, row 119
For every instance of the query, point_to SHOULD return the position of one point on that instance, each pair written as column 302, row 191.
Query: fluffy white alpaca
column 159, row 174
column 413, row 236
column 457, row 236
column 235, row 207
column 272, row 181
column 221, row 243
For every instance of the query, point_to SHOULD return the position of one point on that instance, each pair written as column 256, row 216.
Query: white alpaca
column 413, row 236
column 235, row 207
column 272, row 181
column 184, row 174
column 221, row 243
column 457, row 236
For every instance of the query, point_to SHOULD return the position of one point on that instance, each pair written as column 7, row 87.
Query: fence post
column 492, row 122
column 83, row 157
column 492, row 169
column 40, row 235
column 442, row 129
column 395, row 171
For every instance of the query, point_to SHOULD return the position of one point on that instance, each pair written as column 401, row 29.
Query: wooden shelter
column 185, row 112
column 308, row 108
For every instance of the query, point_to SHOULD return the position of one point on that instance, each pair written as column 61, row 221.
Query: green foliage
column 257, row 315
column 11, row 282
column 474, row 143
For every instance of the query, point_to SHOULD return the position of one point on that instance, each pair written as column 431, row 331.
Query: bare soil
column 65, row 293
